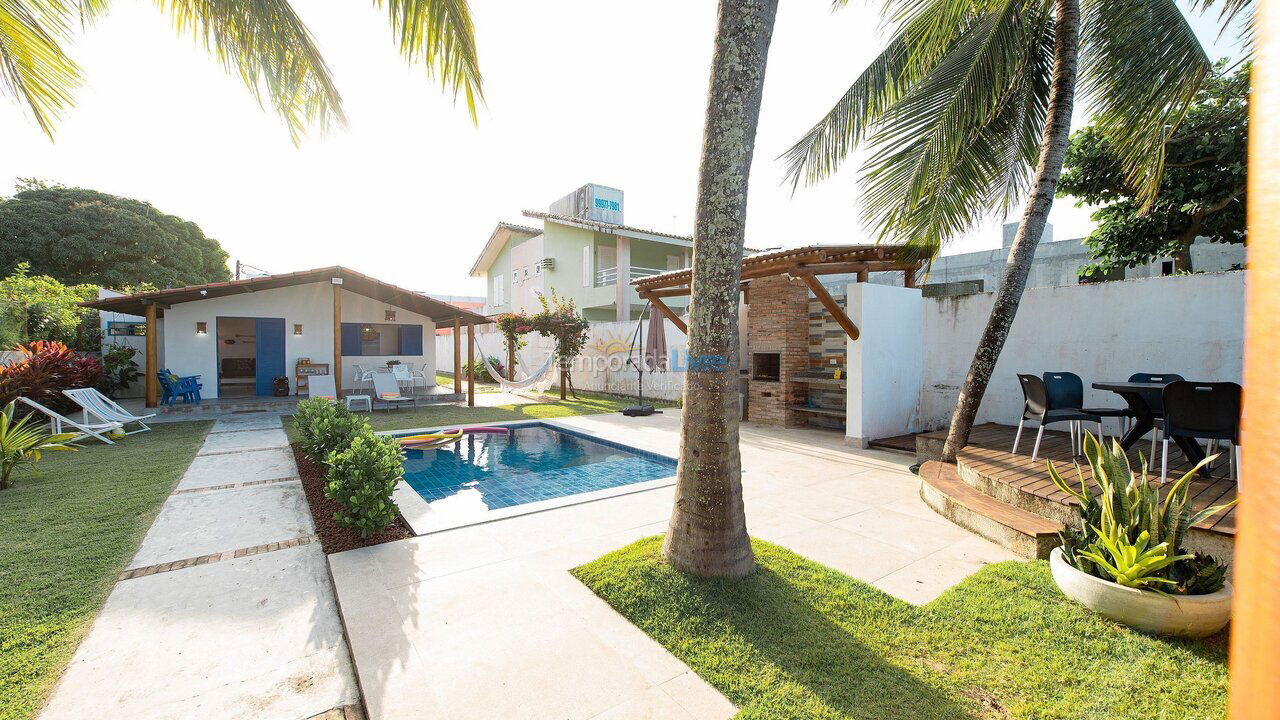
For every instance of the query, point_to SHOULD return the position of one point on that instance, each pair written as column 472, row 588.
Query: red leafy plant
column 45, row 369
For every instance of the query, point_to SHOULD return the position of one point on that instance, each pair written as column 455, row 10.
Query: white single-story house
column 239, row 336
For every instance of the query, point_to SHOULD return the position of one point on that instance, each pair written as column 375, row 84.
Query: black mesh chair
column 1038, row 406
column 1201, row 411
column 1155, row 402
column 1066, row 390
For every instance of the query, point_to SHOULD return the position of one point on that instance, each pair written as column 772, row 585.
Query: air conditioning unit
column 547, row 263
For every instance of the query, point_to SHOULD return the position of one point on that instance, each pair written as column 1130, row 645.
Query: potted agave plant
column 1126, row 561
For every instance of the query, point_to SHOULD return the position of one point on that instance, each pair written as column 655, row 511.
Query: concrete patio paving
column 486, row 622
column 227, row 610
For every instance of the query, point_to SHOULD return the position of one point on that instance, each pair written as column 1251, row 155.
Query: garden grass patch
column 798, row 640
column 68, row 530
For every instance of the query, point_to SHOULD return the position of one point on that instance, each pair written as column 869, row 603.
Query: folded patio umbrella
column 655, row 346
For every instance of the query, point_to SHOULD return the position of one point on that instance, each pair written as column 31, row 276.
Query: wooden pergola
column 804, row 264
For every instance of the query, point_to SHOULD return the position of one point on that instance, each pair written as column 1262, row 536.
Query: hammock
column 528, row 382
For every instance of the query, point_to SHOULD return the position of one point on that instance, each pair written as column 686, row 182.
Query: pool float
column 487, row 430
column 430, row 439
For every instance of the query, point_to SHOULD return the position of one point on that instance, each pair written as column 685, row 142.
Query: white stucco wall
column 885, row 362
column 1192, row 325
column 187, row 353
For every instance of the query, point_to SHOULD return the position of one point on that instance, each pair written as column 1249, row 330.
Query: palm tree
column 707, row 535
column 262, row 41
column 968, row 110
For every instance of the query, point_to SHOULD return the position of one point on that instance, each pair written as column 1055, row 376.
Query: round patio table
column 1136, row 394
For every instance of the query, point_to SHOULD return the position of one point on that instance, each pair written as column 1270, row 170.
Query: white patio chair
column 363, row 377
column 403, row 373
column 419, row 376
column 321, row 386
column 97, row 405
column 387, row 390
column 56, row 422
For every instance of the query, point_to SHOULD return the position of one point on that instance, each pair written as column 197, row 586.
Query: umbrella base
column 639, row 410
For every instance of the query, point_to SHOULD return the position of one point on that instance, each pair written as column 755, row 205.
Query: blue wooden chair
column 187, row 387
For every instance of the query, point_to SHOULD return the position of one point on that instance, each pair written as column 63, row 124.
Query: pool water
column 535, row 462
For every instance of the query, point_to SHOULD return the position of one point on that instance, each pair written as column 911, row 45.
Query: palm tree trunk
column 707, row 535
column 1053, row 147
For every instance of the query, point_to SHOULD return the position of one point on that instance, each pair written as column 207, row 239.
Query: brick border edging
column 230, row 486
column 216, row 557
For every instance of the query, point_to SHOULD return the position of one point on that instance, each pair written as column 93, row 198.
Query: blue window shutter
column 411, row 340
column 351, row 339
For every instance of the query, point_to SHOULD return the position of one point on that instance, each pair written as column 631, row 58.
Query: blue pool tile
column 535, row 462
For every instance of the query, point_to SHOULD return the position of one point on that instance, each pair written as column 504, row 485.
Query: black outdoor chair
column 1155, row 402
column 1038, row 406
column 1201, row 411
column 1066, row 390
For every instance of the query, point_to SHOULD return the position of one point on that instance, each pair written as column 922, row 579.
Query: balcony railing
column 609, row 276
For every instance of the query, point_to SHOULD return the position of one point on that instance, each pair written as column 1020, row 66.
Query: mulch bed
column 334, row 538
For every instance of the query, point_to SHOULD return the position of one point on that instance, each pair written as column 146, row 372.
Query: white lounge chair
column 97, row 405
column 387, row 390
column 57, row 421
column 321, row 386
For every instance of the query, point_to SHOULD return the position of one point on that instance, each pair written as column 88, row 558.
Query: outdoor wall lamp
column 389, row 315
column 202, row 328
column 297, row 328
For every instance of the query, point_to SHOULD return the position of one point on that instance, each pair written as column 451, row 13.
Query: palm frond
column 273, row 52
column 33, row 67
column 1140, row 68
column 964, row 135
column 925, row 30
column 440, row 33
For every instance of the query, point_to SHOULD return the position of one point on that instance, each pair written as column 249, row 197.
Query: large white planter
column 1182, row 615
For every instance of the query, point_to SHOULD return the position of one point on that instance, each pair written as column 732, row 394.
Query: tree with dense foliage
column 84, row 236
column 967, row 112
column 707, row 534
column 266, row 44
column 1202, row 192
column 38, row 307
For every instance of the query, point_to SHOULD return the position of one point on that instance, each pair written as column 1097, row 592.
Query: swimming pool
column 535, row 463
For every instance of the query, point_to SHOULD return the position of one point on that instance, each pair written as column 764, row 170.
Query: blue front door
column 269, row 353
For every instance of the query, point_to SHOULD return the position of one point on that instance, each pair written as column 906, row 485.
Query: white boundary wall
column 1192, row 325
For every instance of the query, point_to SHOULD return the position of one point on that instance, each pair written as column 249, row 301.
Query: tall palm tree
column 262, row 41
column 707, row 535
column 968, row 110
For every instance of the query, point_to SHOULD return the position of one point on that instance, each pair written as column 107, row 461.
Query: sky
column 577, row 91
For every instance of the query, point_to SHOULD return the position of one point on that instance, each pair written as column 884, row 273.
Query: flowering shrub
column 45, row 369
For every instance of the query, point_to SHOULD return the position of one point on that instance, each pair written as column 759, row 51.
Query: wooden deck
column 987, row 456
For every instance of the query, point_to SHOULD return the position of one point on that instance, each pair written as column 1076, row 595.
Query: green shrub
column 361, row 479
column 1129, row 535
column 325, row 427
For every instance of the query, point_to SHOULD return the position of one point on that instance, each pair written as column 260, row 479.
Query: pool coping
column 417, row 513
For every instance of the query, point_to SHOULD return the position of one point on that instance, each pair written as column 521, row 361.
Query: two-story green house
column 582, row 249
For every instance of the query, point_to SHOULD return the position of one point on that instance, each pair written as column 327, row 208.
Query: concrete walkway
column 486, row 622
column 226, row 611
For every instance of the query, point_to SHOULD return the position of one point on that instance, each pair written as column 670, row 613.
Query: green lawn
column 434, row 416
column 799, row 640
column 446, row 381
column 66, row 532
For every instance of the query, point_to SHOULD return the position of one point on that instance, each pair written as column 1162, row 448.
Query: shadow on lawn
column 782, row 629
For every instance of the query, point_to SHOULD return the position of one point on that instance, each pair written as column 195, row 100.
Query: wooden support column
column 909, row 276
column 830, row 304
column 152, row 358
column 863, row 275
column 667, row 312
column 471, row 363
column 457, row 356
column 1255, row 608
column 337, row 335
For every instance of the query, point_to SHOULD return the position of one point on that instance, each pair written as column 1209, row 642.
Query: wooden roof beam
column 830, row 304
